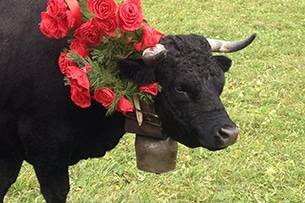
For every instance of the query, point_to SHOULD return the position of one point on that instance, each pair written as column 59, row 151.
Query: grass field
column 264, row 95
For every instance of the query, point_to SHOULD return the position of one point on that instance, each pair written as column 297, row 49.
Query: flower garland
column 100, row 32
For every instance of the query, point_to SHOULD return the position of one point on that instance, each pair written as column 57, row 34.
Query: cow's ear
column 224, row 62
column 136, row 70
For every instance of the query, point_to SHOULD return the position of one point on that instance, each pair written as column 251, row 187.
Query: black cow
column 40, row 124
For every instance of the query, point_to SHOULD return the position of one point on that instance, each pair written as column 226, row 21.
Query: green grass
column 264, row 95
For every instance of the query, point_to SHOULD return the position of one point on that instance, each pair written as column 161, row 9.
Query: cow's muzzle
column 227, row 136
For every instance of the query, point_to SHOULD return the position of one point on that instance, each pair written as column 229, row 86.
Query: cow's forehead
column 188, row 68
column 189, row 55
column 186, row 45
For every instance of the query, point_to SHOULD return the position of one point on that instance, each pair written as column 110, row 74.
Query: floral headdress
column 100, row 32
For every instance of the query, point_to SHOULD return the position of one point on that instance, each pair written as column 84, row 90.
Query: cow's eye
column 180, row 90
column 182, row 93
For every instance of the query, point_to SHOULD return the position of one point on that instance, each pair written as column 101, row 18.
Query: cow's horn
column 154, row 54
column 227, row 46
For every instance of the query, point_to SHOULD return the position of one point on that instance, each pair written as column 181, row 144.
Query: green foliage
column 104, row 72
column 84, row 10
column 264, row 95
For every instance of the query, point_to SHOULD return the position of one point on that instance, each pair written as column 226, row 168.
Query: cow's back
column 33, row 94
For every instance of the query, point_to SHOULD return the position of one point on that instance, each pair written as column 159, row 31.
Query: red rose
column 151, row 89
column 108, row 25
column 124, row 105
column 150, row 38
column 105, row 96
column 54, row 27
column 89, row 33
column 80, row 96
column 138, row 2
column 64, row 62
column 130, row 16
column 77, row 75
column 79, row 86
column 56, row 8
column 102, row 9
column 67, row 20
column 80, row 48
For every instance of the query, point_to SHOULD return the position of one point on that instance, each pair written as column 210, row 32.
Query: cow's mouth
column 220, row 139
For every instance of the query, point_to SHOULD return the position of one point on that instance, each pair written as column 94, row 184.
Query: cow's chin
column 215, row 145
column 211, row 148
column 204, row 145
column 214, row 149
column 196, row 143
column 192, row 141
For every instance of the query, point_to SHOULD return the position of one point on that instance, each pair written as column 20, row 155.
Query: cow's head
column 192, row 80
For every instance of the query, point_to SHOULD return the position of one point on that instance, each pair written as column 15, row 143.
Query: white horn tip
column 152, row 51
column 154, row 54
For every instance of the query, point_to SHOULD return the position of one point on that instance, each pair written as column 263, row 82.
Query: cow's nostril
column 224, row 133
column 228, row 135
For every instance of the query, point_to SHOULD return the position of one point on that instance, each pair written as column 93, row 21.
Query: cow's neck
column 144, row 121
